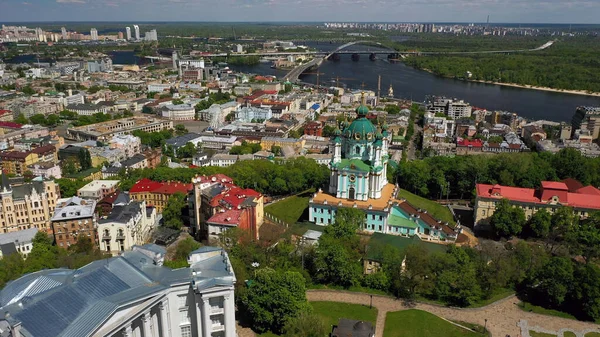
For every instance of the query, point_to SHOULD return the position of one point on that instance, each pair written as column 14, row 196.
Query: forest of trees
column 430, row 177
column 570, row 64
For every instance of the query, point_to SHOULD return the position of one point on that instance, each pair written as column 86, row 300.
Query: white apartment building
column 180, row 112
column 136, row 28
column 17, row 242
column 459, row 109
column 126, row 296
column 131, row 145
column 127, row 225
column 97, row 189
column 128, row 33
column 94, row 34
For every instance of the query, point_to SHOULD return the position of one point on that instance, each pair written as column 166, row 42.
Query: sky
column 505, row 11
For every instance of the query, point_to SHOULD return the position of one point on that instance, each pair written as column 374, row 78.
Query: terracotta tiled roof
column 230, row 217
column 472, row 143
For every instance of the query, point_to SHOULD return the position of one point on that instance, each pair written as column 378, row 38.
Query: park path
column 502, row 316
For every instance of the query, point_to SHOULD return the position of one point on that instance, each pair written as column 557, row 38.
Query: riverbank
column 522, row 86
column 526, row 86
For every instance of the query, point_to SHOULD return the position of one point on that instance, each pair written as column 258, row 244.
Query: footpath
column 502, row 316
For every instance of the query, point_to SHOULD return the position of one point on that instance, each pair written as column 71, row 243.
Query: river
column 416, row 84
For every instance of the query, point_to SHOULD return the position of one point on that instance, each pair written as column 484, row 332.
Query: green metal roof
column 354, row 164
column 397, row 221
column 363, row 127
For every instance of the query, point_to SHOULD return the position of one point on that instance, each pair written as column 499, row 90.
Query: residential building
column 192, row 75
column 128, row 33
column 218, row 205
column 106, row 130
column 295, row 143
column 16, row 162
column 248, row 114
column 452, row 108
column 94, row 34
column 157, row 193
column 136, row 28
column 219, row 142
column 97, row 189
column 126, row 225
column 17, row 242
column 587, row 118
column 46, row 170
column 27, row 205
column 151, row 35
column 358, row 179
column 87, row 109
column 106, row 204
column 224, row 159
column 127, row 295
column 131, row 145
column 550, row 196
column 181, row 141
column 314, row 129
column 74, row 217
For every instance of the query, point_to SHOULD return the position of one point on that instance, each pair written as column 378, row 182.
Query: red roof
column 44, row 149
column 587, row 197
column 173, row 187
column 236, row 196
column 4, row 112
column 11, row 125
column 472, row 143
column 230, row 217
column 554, row 185
column 145, row 185
column 572, row 184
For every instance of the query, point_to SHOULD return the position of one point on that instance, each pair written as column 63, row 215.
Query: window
column 184, row 316
column 182, row 300
column 186, row 331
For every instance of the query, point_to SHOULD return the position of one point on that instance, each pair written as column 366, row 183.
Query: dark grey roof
column 20, row 191
column 74, row 303
column 180, row 141
column 122, row 198
column 133, row 160
column 124, row 213
column 352, row 328
column 8, row 248
column 5, row 183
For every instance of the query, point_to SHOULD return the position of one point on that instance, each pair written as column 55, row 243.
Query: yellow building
column 16, row 162
column 268, row 142
column 156, row 193
column 29, row 205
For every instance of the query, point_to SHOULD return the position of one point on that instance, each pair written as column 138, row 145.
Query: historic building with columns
column 131, row 295
column 358, row 179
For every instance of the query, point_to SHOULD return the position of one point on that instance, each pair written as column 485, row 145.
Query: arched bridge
column 316, row 62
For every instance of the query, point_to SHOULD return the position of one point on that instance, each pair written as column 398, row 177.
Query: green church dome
column 361, row 129
column 362, row 110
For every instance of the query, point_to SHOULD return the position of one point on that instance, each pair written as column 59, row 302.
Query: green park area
column 417, row 323
column 331, row 312
column 540, row 334
column 436, row 210
column 289, row 209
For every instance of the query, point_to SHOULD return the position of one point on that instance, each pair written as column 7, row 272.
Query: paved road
column 502, row 315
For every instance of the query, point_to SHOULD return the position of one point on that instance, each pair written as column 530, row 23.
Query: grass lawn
column 436, row 210
column 498, row 295
column 539, row 310
column 289, row 209
column 417, row 323
column 540, row 334
column 331, row 312
column 590, row 334
column 569, row 334
column 356, row 289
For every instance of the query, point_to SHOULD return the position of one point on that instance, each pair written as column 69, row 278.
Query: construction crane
column 318, row 76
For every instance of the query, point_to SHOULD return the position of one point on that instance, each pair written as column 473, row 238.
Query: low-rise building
column 180, row 112
column 17, row 242
column 98, row 189
column 74, row 217
column 128, row 295
column 218, row 205
column 127, row 225
column 157, row 193
column 550, row 196
column 106, row 130
column 314, row 129
column 131, row 145
column 46, row 170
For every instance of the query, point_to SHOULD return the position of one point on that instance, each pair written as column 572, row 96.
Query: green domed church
column 359, row 159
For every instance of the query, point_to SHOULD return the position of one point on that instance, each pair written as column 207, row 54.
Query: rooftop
column 98, row 184
column 73, row 208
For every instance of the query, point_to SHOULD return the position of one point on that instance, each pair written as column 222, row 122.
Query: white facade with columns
column 131, row 295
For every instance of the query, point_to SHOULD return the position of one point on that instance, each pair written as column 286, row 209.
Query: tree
column 69, row 166
column 456, row 278
column 392, row 109
column 305, row 325
column 85, row 159
column 68, row 187
column 584, row 239
column 539, row 224
column 552, row 282
column 335, row 264
column 585, row 297
column 563, row 221
column 182, row 251
column 147, row 110
column 21, row 119
column 186, row 151
column 347, row 222
column 27, row 90
column 173, row 211
column 507, row 220
column 273, row 298
column 180, row 130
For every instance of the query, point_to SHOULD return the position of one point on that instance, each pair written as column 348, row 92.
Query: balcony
column 120, row 236
column 218, row 327
column 106, row 237
column 216, row 310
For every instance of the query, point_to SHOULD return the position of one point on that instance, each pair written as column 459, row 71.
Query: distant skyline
column 500, row 11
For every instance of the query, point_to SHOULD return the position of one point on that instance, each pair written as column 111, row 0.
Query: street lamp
column 255, row 265
column 485, row 326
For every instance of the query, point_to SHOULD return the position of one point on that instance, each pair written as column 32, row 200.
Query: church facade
column 358, row 179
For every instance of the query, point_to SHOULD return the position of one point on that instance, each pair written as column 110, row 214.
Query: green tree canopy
column 507, row 220
column 172, row 214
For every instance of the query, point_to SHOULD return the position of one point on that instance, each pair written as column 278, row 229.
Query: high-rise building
column 151, row 36
column 587, row 118
column 128, row 33
column 63, row 31
column 136, row 28
column 120, row 35
column 94, row 34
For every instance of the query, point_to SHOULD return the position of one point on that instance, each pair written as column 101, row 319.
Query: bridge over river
column 295, row 73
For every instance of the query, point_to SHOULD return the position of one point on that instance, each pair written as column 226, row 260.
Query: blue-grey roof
column 180, row 141
column 75, row 303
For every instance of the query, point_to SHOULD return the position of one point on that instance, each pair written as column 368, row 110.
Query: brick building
column 157, row 193
column 74, row 217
